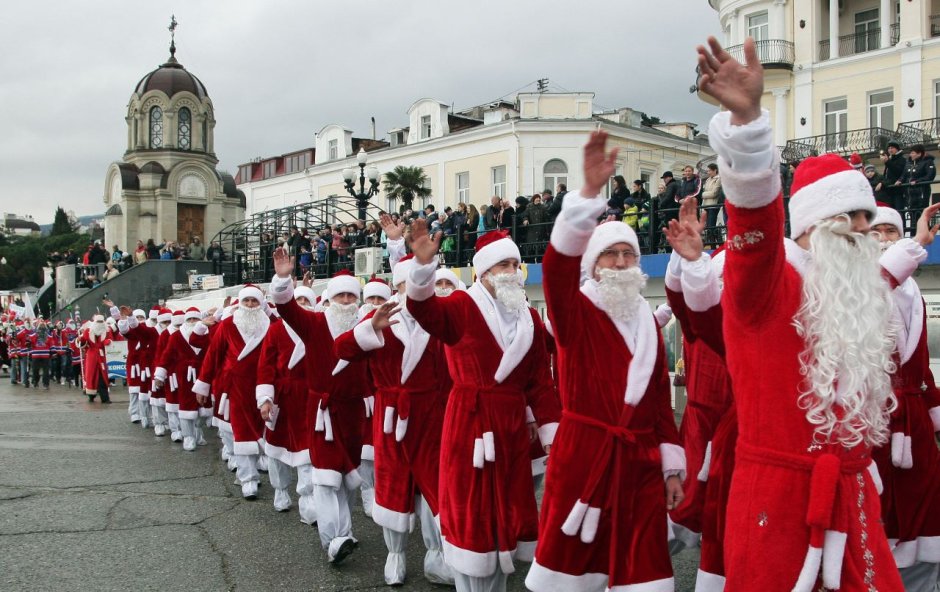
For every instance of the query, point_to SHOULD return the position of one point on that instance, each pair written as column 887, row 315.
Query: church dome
column 171, row 78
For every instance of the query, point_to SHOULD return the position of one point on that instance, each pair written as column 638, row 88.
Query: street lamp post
column 362, row 196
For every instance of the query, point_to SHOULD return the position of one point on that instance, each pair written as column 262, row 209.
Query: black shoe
column 106, row 401
column 344, row 551
column 91, row 398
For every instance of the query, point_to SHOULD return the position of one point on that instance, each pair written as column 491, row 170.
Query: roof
column 171, row 78
column 14, row 223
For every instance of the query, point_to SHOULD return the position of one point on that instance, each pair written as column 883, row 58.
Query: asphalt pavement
column 90, row 501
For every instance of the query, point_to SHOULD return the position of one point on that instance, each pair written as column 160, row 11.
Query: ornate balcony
column 857, row 43
column 924, row 131
column 773, row 54
column 863, row 141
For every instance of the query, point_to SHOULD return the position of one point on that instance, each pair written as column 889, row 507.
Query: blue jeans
column 23, row 364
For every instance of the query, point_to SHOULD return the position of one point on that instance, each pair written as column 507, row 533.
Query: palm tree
column 406, row 183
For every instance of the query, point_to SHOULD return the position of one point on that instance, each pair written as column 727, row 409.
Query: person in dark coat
column 918, row 174
column 895, row 163
column 618, row 196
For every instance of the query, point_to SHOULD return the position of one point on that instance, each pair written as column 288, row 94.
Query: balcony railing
column 857, row 43
column 935, row 25
column 773, row 53
column 924, row 131
column 871, row 139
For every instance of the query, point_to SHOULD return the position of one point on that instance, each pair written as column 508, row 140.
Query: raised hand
column 685, row 234
column 283, row 263
column 308, row 280
column 423, row 245
column 925, row 234
column 737, row 87
column 382, row 317
column 599, row 165
column 126, row 312
column 392, row 231
column 107, row 302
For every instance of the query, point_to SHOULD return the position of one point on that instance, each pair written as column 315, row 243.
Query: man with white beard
column 502, row 392
column 446, row 283
column 809, row 335
column 604, row 509
column 233, row 354
column 910, row 463
column 93, row 340
column 335, row 401
column 161, row 420
column 410, row 374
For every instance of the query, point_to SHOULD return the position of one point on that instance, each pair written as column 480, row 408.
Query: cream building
column 843, row 75
column 507, row 148
column 167, row 186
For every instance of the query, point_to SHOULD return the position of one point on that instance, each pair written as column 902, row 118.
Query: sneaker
column 340, row 548
column 189, row 444
column 159, row 430
column 176, row 436
column 250, row 490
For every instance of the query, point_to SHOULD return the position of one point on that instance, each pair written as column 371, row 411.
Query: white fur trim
column 834, row 194
column 547, row 580
column 663, row 585
column 875, row 477
column 401, row 428
column 574, row 226
column 897, row 448
column 414, row 340
column 673, row 459
column 184, row 414
column 367, row 337
column 389, row 420
column 288, row 457
column 247, row 448
column 352, row 480
column 448, row 274
column 833, row 554
column 905, row 554
column 529, row 416
column 706, row 463
column 902, row 259
column 326, row 477
column 264, row 393
column 547, row 433
column 420, row 284
column 251, row 292
column 935, row 417
column 489, row 447
column 592, row 519
column 572, row 523
column 397, row 521
column 700, row 285
column 663, row 314
column 493, row 253
column 305, row 292
column 604, row 236
column 525, row 331
column 172, row 407
column 810, row 571
column 709, row 582
column 379, row 289
column 524, row 551
column 478, row 453
column 344, row 284
column 160, row 374
column 471, row 563
column 888, row 216
column 299, row 351
column 674, row 272
column 928, row 549
column 689, row 537
column 368, row 452
column 281, row 290
column 201, row 329
column 401, row 270
column 907, row 458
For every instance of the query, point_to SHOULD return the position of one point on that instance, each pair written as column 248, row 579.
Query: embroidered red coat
column 95, row 363
column 487, row 503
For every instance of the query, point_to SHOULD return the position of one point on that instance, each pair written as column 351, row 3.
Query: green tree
column 406, row 184
column 61, row 224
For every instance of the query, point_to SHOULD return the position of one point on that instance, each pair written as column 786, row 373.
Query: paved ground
column 89, row 500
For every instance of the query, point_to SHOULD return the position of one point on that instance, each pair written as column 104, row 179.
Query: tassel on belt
column 484, row 446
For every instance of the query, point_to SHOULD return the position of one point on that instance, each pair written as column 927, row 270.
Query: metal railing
column 924, row 131
column 773, row 53
column 857, row 43
column 935, row 25
column 871, row 139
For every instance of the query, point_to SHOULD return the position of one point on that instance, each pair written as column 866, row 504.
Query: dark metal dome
column 171, row 78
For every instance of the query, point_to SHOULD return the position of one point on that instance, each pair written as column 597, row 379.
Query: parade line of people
column 806, row 458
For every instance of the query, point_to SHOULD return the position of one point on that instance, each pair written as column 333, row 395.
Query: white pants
column 435, row 569
column 278, row 473
column 143, row 410
column 133, row 402
column 306, row 505
column 174, row 420
column 333, row 512
column 160, row 416
column 367, row 489
column 920, row 577
column 228, row 442
column 396, row 543
column 493, row 583
column 247, row 468
column 188, row 428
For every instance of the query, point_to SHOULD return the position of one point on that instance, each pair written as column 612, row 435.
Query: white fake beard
column 509, row 290
column 885, row 245
column 443, row 292
column 846, row 321
column 249, row 321
column 366, row 309
column 343, row 316
column 620, row 291
column 305, row 307
column 98, row 330
column 187, row 329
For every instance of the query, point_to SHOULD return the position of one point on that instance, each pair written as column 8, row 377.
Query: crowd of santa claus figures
column 806, row 457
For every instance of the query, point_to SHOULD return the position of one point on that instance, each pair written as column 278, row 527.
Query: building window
column 244, row 174
column 835, row 122
column 334, row 149
column 156, row 127
column 936, row 99
column 205, row 135
column 184, row 129
column 867, row 31
column 425, row 127
column 463, row 187
column 391, row 205
column 881, row 109
column 270, row 169
column 645, row 177
column 498, row 177
column 758, row 26
column 555, row 172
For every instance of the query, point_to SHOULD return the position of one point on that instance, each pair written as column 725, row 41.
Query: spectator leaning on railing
column 893, row 171
column 711, row 192
column 920, row 170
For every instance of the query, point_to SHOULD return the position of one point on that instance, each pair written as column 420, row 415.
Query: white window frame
column 870, row 38
column 762, row 30
column 840, row 118
column 936, row 99
column 333, row 147
column 498, row 186
column 552, row 180
column 462, row 181
column 425, row 127
column 876, row 111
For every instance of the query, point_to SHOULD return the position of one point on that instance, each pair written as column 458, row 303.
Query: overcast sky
column 278, row 71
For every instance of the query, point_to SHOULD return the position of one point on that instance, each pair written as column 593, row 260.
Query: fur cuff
column 700, row 285
column 875, row 477
column 547, row 433
column 201, row 329
column 576, row 224
column 674, row 273
column 367, row 338
column 420, row 285
column 935, row 418
column 201, row 388
column 281, row 290
column 264, row 393
column 902, row 259
column 673, row 459
column 160, row 374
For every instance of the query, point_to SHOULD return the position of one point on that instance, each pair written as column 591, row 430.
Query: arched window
column 555, row 172
column 185, row 129
column 156, row 127
column 205, row 136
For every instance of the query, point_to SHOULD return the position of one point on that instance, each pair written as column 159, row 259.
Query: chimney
column 373, row 128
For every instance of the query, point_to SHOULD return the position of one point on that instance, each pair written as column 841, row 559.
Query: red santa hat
column 605, row 235
column 449, row 275
column 139, row 313
column 251, row 291
column 165, row 316
column 856, row 161
column 344, row 282
column 888, row 215
column 376, row 287
column 177, row 318
column 826, row 186
column 402, row 269
column 98, row 318
column 192, row 313
column 305, row 292
column 491, row 248
column 154, row 312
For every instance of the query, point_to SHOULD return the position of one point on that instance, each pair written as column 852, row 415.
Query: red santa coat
column 487, row 503
column 95, row 362
column 604, row 513
column 235, row 359
column 411, row 381
column 283, row 379
column 141, row 340
column 335, row 397
column 180, row 362
column 781, row 508
column 158, row 396
column 910, row 463
column 171, row 377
